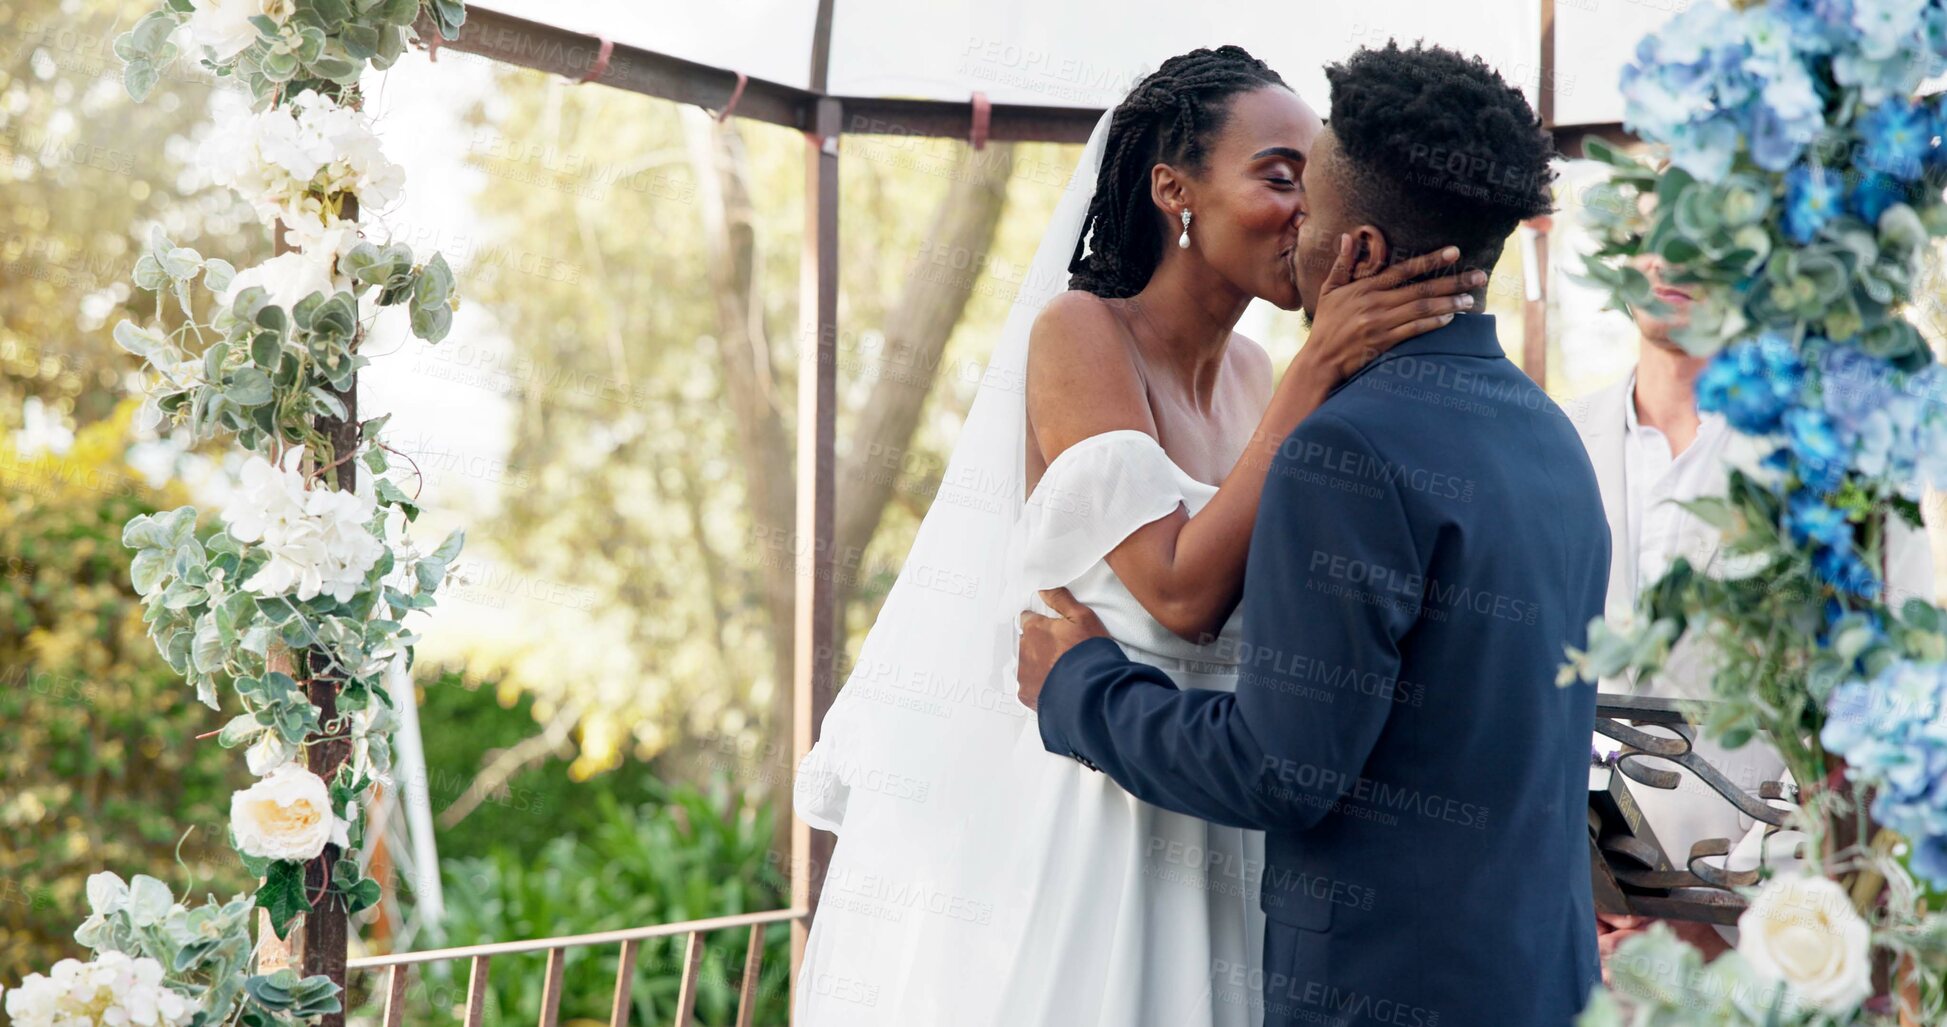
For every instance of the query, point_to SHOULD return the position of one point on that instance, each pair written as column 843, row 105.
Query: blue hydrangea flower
column 1816, row 452
column 1817, row 26
column 1880, row 58
column 1752, row 383
column 1813, row 196
column 1852, row 383
column 1937, row 154
column 1898, row 135
column 1892, row 731
column 1872, row 194
column 1810, row 521
column 1845, row 571
column 1688, row 87
column 1929, row 860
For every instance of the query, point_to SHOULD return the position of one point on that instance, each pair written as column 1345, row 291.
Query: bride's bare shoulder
column 1078, row 330
column 1082, row 373
column 1079, row 314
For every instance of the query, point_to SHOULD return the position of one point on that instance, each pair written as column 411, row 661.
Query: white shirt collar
column 1709, row 422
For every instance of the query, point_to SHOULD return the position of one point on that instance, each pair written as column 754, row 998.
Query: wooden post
column 816, row 621
column 325, row 941
column 1534, row 312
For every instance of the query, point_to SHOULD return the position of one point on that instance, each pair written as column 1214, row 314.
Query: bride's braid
column 1166, row 119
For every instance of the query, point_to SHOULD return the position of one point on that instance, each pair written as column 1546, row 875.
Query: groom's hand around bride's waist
column 1045, row 639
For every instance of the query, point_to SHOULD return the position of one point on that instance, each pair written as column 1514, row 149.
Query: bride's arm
column 1188, row 572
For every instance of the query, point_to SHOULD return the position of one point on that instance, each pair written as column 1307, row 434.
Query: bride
column 978, row 880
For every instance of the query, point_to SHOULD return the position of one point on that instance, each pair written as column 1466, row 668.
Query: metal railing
column 398, row 967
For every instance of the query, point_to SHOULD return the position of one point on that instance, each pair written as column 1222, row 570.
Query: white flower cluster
column 298, row 161
column 317, row 538
column 287, row 815
column 112, row 991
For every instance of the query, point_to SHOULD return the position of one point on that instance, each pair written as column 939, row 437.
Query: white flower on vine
column 114, row 990
column 287, row 277
column 287, row 815
column 316, row 537
column 269, row 752
column 224, row 25
column 1803, row 931
column 295, row 161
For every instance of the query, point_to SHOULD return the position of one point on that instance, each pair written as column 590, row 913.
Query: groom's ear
column 1370, row 252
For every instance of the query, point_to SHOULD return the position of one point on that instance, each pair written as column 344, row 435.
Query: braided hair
column 1168, row 118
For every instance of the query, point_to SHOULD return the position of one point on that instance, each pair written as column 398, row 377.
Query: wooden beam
column 815, row 627
column 951, row 119
column 572, row 55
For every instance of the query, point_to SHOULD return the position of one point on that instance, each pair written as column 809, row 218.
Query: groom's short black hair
column 1439, row 150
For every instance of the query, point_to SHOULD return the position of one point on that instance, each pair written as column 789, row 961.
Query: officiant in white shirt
column 1653, row 450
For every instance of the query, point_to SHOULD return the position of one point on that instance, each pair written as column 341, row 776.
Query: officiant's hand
column 1612, row 929
column 1044, row 639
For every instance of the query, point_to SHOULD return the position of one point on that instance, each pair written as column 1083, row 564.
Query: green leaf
column 206, row 652
column 449, row 548
column 363, row 895
column 282, row 894
column 280, row 67
column 389, row 494
column 337, row 69
column 327, row 403
column 218, row 274
column 435, row 285
column 147, row 571
column 360, row 41
column 136, row 339
column 148, row 270
column 139, row 78
column 149, row 900
column 240, row 730
column 249, row 387
column 369, row 428
column 431, row 323
column 267, row 352
column 181, row 263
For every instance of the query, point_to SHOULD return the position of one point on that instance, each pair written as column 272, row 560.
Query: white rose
column 287, row 815
column 1804, row 931
column 287, row 277
column 224, row 26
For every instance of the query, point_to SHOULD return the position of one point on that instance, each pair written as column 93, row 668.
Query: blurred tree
column 654, row 368
column 101, row 769
column 82, row 171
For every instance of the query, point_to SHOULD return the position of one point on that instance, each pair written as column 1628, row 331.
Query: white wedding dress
column 978, row 880
column 1026, row 889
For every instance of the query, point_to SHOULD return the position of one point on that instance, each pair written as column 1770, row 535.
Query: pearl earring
column 1183, row 241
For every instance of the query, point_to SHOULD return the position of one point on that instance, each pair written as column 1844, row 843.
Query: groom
column 1429, row 542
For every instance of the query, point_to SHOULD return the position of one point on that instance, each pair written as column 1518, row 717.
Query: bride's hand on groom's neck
column 1357, row 319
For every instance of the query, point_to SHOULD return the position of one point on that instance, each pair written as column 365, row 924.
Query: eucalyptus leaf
column 249, row 387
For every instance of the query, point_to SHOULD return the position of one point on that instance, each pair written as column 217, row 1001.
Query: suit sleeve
column 1332, row 584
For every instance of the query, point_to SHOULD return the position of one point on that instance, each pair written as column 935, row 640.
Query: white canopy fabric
column 1087, row 53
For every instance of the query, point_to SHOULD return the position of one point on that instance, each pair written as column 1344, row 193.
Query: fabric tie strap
column 735, row 95
column 600, row 67
column 983, row 113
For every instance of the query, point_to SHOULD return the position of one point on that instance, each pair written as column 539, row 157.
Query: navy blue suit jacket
column 1429, row 541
